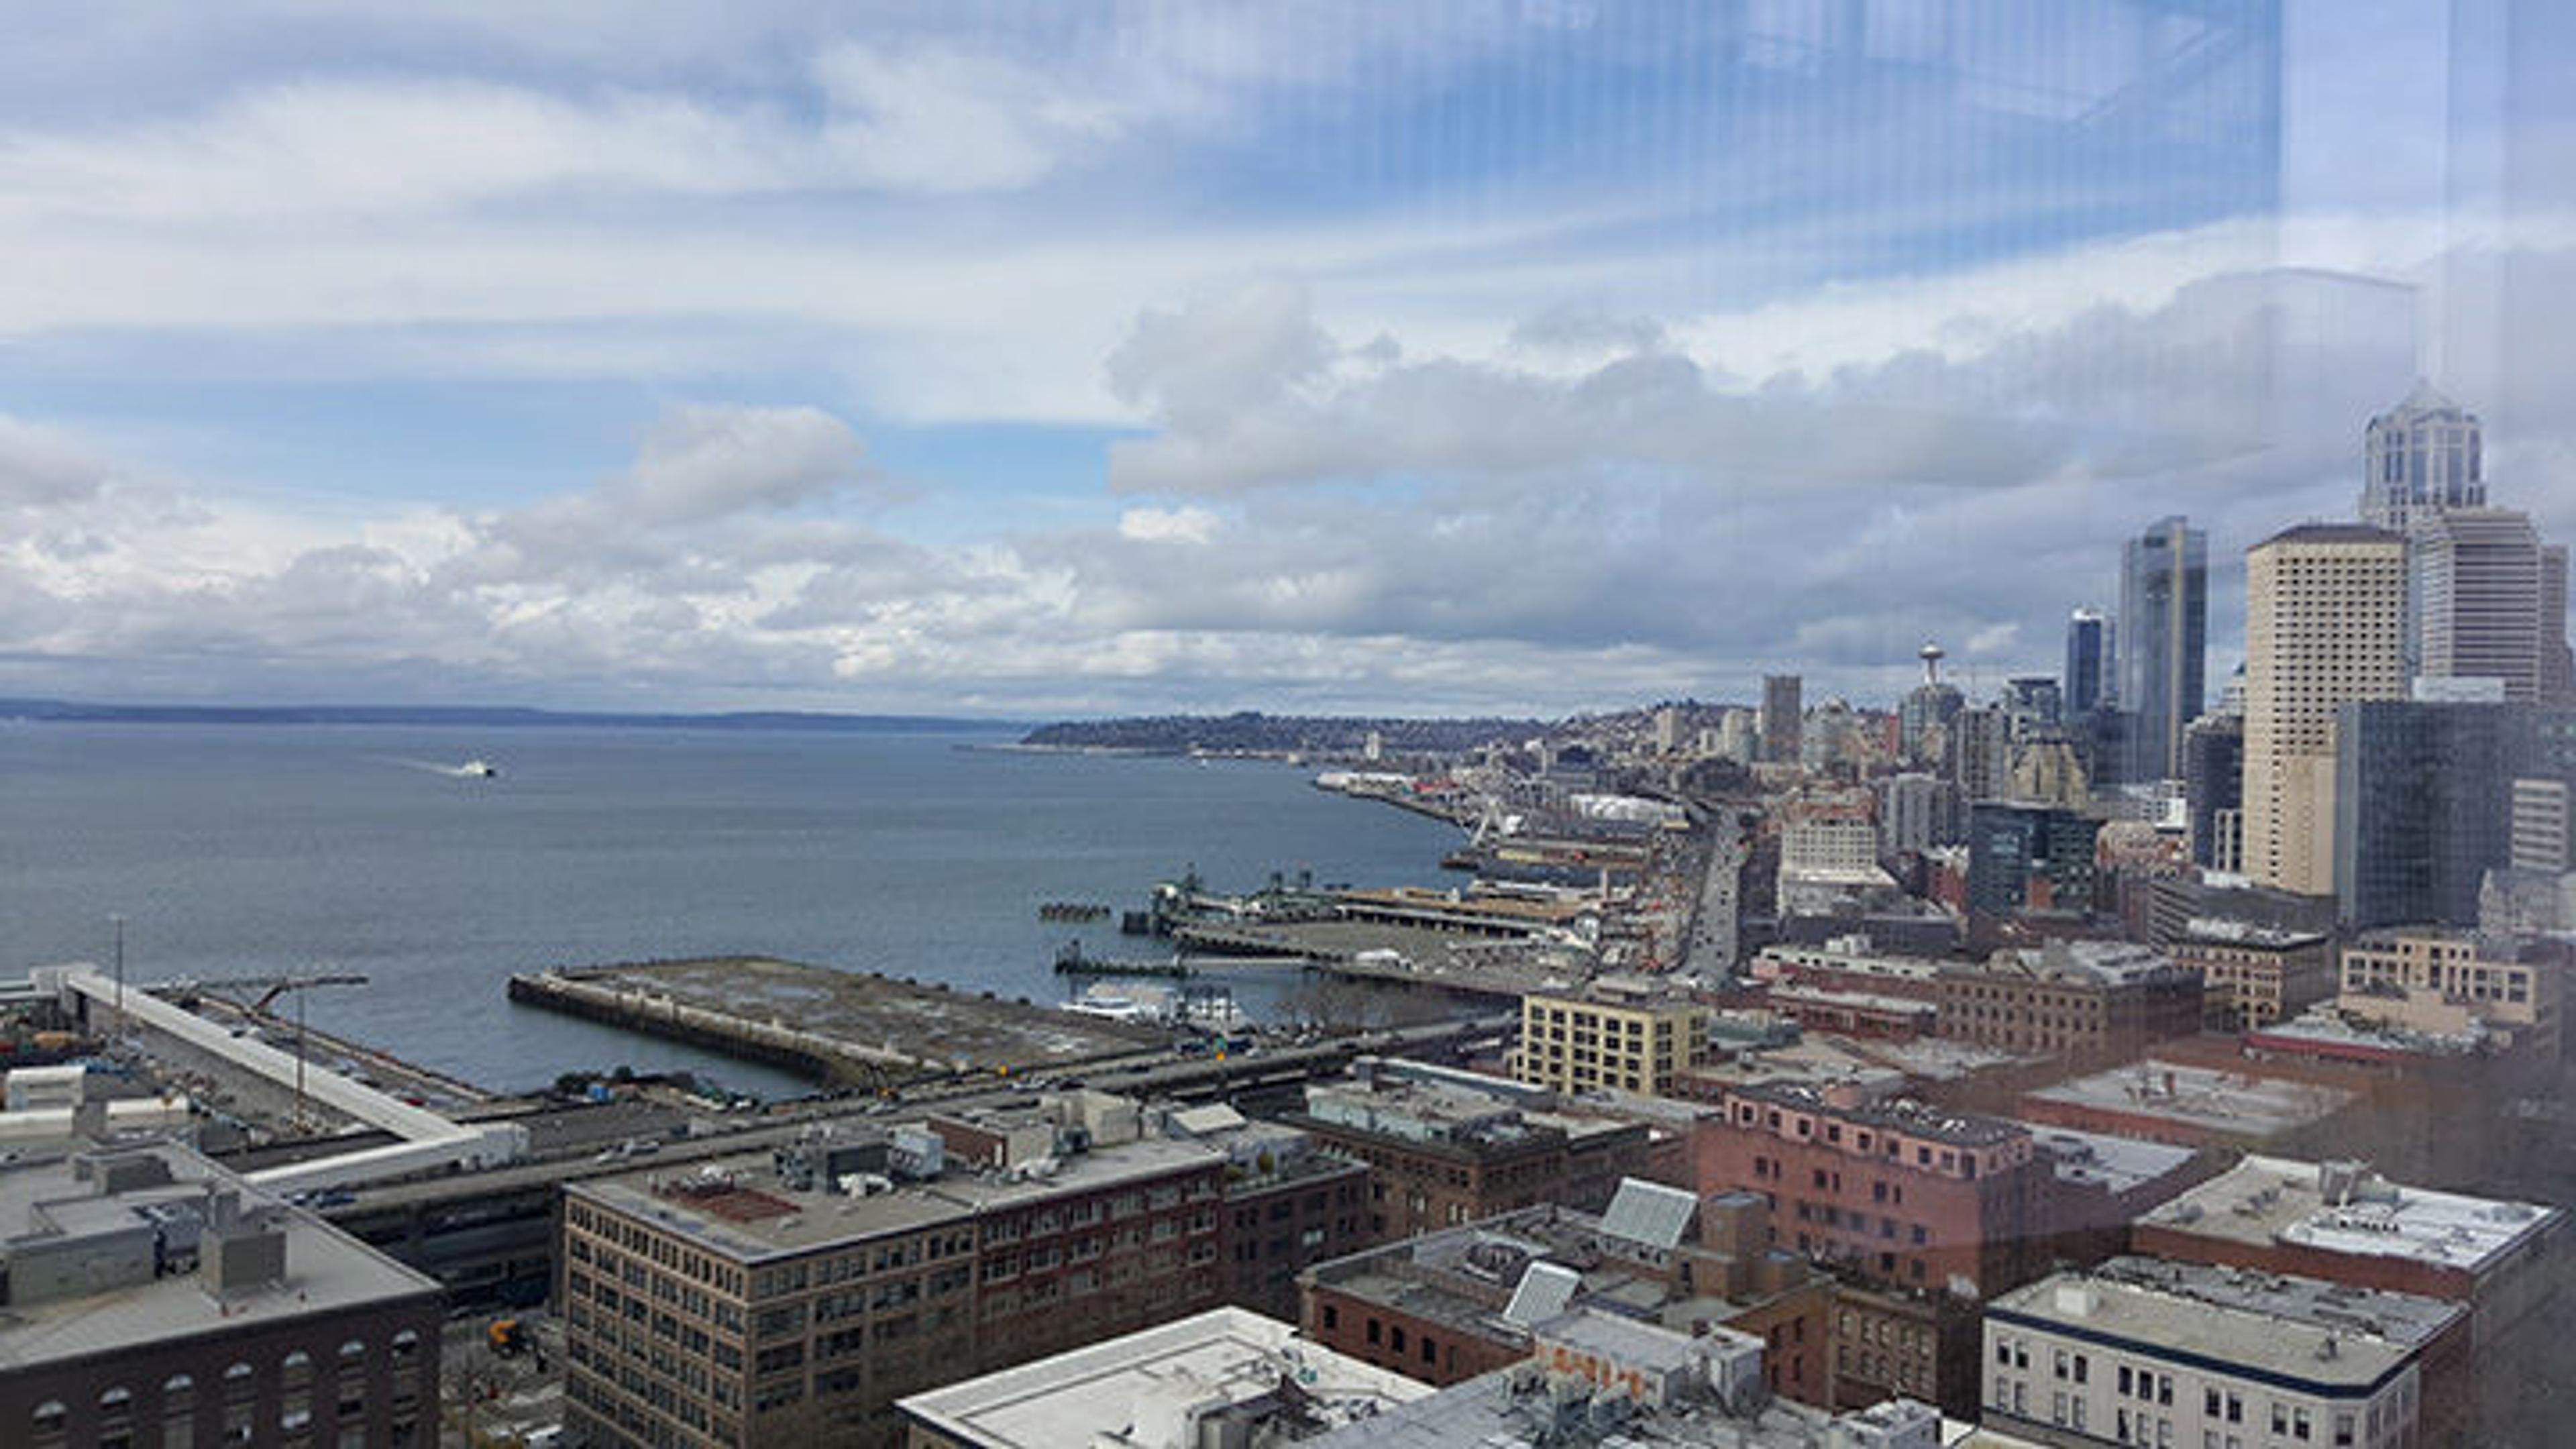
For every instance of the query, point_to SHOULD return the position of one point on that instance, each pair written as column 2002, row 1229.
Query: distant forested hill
column 1255, row 733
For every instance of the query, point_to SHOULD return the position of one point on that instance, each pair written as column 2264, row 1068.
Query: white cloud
column 919, row 119
column 1168, row 525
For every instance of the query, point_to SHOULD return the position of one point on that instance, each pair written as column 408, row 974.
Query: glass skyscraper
column 2164, row 615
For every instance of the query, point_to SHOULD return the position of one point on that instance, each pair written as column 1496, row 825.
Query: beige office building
column 2324, row 626
column 1620, row 1033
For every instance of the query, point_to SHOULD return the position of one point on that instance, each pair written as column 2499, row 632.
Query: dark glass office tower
column 2088, row 663
column 2164, row 615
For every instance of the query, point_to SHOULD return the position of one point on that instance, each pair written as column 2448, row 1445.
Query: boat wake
column 470, row 770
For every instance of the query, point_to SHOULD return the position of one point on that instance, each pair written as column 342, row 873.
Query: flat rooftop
column 2326, row 1028
column 2093, row 963
column 2116, row 1164
column 1460, row 1108
column 739, row 1207
column 1853, row 1000
column 1917, row 1119
column 2266, row 1200
column 1465, row 1277
column 963, row 1028
column 1486, row 1411
column 1135, row 1390
column 41, row 1198
column 2409, row 1320
column 2294, row 1328
column 2227, row 1103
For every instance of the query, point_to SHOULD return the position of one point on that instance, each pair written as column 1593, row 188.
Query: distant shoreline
column 50, row 711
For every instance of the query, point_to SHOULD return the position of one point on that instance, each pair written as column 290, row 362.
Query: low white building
column 1227, row 1376
column 2188, row 1356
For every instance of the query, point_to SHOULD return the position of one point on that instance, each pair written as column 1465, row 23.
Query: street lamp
column 117, row 923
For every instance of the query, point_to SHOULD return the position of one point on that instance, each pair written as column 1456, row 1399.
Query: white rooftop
column 2116, row 1164
column 2263, row 1200
column 1150, row 1389
column 2311, row 1332
column 2235, row 1103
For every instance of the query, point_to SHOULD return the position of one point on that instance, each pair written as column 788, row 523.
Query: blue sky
column 1519, row 355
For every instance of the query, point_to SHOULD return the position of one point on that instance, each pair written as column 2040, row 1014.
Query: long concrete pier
column 832, row 1025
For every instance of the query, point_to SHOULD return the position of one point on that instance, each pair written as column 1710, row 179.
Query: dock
column 834, row 1026
column 1383, row 951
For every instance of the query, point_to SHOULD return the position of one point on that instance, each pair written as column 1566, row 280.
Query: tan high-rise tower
column 2325, row 625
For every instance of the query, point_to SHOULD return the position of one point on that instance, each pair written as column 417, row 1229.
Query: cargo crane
column 269, row 987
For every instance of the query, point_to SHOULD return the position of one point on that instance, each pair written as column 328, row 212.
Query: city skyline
column 893, row 363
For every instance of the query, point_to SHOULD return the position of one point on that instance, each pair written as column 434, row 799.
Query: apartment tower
column 2324, row 627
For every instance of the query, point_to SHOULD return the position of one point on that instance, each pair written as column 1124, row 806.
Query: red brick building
column 1447, row 1147
column 2093, row 1000
column 1457, row 1304
column 1898, row 1197
column 1898, row 1193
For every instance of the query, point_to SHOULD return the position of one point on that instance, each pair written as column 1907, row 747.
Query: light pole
column 117, row 923
column 299, row 1062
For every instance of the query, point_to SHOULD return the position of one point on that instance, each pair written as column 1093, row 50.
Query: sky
column 1513, row 356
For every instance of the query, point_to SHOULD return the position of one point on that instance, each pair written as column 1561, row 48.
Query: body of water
column 282, row 848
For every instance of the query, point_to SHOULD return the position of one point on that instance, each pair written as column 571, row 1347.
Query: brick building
column 1452, row 1305
column 2254, row 976
column 1905, row 1200
column 148, row 1296
column 2096, row 1000
column 1447, row 1147
column 791, row 1298
column 1288, row 1203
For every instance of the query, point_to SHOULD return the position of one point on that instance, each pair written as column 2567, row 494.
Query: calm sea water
column 263, row 849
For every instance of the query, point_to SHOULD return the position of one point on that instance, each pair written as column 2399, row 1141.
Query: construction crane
column 269, row 987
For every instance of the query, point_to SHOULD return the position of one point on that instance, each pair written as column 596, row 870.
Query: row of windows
column 2138, row 1390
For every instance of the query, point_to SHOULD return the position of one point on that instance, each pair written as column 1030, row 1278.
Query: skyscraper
column 2324, row 627
column 1782, row 717
column 2431, row 796
column 2164, row 608
column 2422, row 455
column 1978, row 757
column 2474, row 582
column 2423, row 807
column 2557, row 663
column 2035, row 702
column 2088, row 662
column 2213, row 773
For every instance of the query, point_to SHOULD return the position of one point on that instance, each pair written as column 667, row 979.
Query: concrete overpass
column 424, row 1140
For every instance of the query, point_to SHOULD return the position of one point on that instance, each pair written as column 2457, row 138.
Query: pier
column 842, row 1026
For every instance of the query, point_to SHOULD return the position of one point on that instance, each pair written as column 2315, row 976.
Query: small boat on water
column 479, row 770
